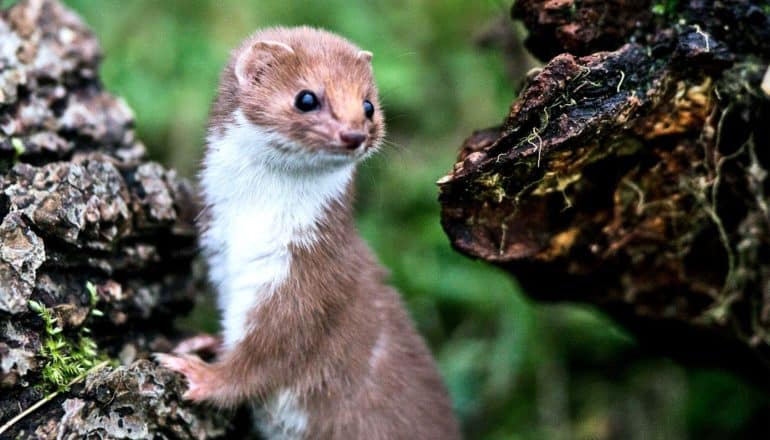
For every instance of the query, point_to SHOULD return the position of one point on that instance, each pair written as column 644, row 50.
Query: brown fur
column 322, row 62
column 333, row 333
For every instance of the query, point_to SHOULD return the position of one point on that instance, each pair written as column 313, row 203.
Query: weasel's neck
column 258, row 210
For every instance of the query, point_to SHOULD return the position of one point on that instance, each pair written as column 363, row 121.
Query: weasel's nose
column 351, row 139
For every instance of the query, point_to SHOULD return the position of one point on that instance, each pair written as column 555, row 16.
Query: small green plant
column 65, row 358
column 94, row 298
column 18, row 148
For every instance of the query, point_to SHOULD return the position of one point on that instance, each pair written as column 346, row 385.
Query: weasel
column 312, row 336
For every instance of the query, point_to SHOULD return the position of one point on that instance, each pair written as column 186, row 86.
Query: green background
column 515, row 369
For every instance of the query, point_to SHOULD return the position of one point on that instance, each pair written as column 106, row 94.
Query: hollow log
column 631, row 173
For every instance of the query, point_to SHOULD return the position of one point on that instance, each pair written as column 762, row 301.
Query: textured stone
column 134, row 402
column 81, row 206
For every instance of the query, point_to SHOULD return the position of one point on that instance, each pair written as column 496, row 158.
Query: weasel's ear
column 256, row 56
column 365, row 55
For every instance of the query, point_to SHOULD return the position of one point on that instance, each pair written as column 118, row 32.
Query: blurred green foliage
column 515, row 370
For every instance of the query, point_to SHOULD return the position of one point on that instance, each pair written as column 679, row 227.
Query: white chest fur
column 281, row 418
column 261, row 200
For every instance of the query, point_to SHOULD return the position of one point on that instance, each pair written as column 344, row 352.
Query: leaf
column 35, row 306
column 92, row 293
column 18, row 146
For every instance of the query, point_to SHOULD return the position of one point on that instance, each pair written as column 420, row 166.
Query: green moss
column 494, row 187
column 65, row 357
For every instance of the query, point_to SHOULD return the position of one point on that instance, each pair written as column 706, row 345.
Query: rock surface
column 98, row 236
column 635, row 178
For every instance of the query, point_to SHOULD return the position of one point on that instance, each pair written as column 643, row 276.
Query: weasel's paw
column 201, row 343
column 199, row 383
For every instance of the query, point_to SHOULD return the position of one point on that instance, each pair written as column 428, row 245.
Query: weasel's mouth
column 346, row 150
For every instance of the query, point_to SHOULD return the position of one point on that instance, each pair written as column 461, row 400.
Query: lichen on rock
column 87, row 225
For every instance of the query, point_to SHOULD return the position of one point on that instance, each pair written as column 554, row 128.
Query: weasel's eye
column 368, row 109
column 306, row 101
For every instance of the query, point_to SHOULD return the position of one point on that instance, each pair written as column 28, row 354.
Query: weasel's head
column 312, row 93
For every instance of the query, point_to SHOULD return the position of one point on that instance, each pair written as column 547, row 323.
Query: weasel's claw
column 192, row 368
column 169, row 361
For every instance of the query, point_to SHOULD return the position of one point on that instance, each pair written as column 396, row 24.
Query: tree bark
column 93, row 235
column 631, row 173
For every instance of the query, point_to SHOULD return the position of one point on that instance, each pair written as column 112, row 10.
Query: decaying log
column 93, row 235
column 635, row 178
